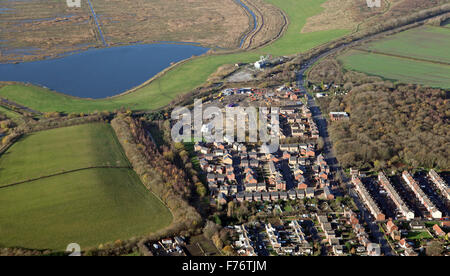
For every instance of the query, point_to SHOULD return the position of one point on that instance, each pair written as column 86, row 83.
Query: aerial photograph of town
column 224, row 129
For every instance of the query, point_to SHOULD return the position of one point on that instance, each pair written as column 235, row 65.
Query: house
column 211, row 177
column 227, row 159
column 438, row 231
column 396, row 235
column 257, row 196
column 251, row 187
column 338, row 250
column 221, row 178
column 327, row 193
column 391, row 226
column 250, row 178
column 209, row 156
column 253, row 155
column 301, row 193
column 254, row 163
column 337, row 116
column 244, row 163
column 417, row 225
column 293, row 160
column 309, row 192
column 292, row 194
column 275, row 196
column 204, row 150
column 280, row 185
column 404, row 244
column 231, row 176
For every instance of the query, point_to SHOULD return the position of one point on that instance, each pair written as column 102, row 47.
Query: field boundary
column 402, row 57
column 63, row 173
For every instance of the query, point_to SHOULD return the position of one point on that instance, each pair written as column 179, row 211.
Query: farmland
column 77, row 187
column 174, row 82
column 87, row 207
column 59, row 150
column 415, row 56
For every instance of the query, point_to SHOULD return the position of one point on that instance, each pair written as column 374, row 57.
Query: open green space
column 59, row 150
column 89, row 206
column 416, row 235
column 401, row 69
column 187, row 76
column 86, row 207
column 417, row 56
column 427, row 42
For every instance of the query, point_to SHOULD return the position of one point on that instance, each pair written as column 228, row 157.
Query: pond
column 100, row 73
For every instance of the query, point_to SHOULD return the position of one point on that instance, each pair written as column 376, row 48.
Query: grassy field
column 88, row 207
column 402, row 70
column 58, row 150
column 428, row 42
column 418, row 56
column 187, row 76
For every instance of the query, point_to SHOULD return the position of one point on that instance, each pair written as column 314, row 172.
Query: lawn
column 401, row 69
column 413, row 235
column 417, row 56
column 87, row 207
column 58, row 150
column 187, row 76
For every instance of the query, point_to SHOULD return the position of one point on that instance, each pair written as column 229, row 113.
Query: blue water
column 100, row 73
column 255, row 22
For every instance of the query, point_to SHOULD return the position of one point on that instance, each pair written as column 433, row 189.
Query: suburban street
column 334, row 164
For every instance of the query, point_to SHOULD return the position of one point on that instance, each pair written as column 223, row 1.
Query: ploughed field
column 417, row 55
column 73, row 185
column 185, row 77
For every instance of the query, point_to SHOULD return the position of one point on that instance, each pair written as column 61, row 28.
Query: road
column 332, row 160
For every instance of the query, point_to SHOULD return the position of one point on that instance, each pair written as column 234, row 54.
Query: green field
column 62, row 149
column 403, row 70
column 419, row 235
column 88, row 207
column 187, row 76
column 414, row 56
column 428, row 43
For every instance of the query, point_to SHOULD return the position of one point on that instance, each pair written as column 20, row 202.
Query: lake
column 100, row 73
